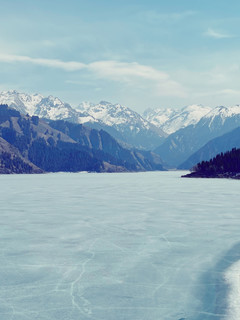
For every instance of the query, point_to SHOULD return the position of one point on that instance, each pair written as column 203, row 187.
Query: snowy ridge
column 26, row 103
column 114, row 115
column 54, row 109
column 123, row 124
column 159, row 116
column 171, row 120
column 36, row 104
column 119, row 121
column 222, row 113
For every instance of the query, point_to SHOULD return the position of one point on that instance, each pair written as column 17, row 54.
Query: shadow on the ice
column 214, row 289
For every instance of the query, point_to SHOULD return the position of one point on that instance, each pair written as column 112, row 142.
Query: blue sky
column 138, row 53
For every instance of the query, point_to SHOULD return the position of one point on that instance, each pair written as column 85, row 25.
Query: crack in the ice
column 73, row 289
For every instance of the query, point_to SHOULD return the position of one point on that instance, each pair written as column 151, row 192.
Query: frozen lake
column 128, row 246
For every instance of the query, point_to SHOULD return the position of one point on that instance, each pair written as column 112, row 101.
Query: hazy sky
column 138, row 53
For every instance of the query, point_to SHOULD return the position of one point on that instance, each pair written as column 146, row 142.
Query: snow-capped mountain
column 180, row 145
column 121, row 122
column 170, row 120
column 35, row 104
column 124, row 124
column 220, row 114
column 114, row 115
column 24, row 103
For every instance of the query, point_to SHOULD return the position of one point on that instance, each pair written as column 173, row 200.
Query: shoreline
column 226, row 175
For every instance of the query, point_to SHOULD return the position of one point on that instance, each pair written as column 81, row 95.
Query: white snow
column 35, row 104
column 224, row 111
column 114, row 115
column 120, row 117
column 26, row 103
column 171, row 119
column 84, row 119
column 221, row 113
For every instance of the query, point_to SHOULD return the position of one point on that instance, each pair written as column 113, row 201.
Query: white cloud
column 131, row 73
column 126, row 71
column 139, row 76
column 54, row 63
column 217, row 35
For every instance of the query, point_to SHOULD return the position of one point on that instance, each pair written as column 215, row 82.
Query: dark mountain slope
column 47, row 148
column 120, row 122
column 103, row 143
column 180, row 145
column 212, row 148
column 11, row 161
column 71, row 148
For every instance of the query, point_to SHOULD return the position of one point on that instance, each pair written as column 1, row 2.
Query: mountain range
column 121, row 122
column 171, row 120
column 178, row 136
column 31, row 145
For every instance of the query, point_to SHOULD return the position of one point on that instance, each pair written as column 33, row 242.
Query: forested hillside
column 224, row 165
column 29, row 145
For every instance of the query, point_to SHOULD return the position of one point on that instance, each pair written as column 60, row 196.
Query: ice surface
column 232, row 278
column 144, row 246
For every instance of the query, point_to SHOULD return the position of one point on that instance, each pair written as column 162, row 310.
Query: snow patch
column 171, row 120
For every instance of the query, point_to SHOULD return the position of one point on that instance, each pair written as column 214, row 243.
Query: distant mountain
column 218, row 145
column 124, row 124
column 225, row 165
column 36, row 104
column 171, row 120
column 30, row 145
column 108, row 147
column 121, row 122
column 180, row 145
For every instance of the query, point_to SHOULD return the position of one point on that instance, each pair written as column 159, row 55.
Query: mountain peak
column 173, row 119
column 36, row 104
column 120, row 121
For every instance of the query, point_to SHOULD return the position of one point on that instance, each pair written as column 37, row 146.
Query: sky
column 142, row 54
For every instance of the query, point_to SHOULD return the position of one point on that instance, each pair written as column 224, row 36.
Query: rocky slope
column 121, row 122
column 124, row 124
column 63, row 146
column 11, row 160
